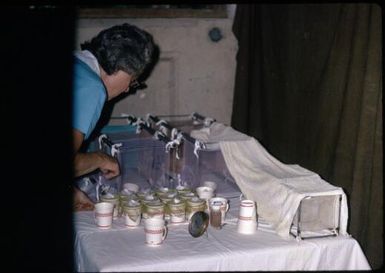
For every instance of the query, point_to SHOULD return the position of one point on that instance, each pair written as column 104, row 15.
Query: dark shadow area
column 36, row 159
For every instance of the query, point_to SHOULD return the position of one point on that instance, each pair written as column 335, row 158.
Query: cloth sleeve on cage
column 276, row 187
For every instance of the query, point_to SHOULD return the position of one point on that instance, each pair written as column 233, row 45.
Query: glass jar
column 177, row 208
column 153, row 209
column 123, row 198
column 187, row 196
column 183, row 190
column 132, row 213
column 193, row 205
column 216, row 216
column 114, row 199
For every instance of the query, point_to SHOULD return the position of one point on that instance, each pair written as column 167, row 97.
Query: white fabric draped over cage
column 277, row 188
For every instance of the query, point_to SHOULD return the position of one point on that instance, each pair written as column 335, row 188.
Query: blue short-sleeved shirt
column 89, row 96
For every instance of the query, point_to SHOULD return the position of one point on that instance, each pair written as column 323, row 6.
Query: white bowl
column 210, row 184
column 131, row 187
column 205, row 192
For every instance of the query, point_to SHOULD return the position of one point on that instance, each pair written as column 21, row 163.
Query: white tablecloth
column 123, row 249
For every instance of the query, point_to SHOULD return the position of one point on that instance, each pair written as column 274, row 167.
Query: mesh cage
column 142, row 159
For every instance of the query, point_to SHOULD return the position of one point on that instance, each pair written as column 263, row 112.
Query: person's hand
column 88, row 162
column 80, row 201
column 109, row 165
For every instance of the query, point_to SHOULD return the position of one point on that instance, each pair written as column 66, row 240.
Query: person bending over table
column 105, row 67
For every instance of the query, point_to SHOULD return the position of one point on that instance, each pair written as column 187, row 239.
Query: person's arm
column 87, row 162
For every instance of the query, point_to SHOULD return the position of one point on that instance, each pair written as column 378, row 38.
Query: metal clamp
column 174, row 133
column 130, row 119
column 115, row 149
column 162, row 126
column 100, row 139
column 208, row 121
column 175, row 144
column 198, row 146
column 139, row 123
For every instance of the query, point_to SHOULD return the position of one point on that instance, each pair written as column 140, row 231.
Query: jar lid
column 176, row 201
column 196, row 200
column 198, row 223
column 163, row 190
column 189, row 194
column 131, row 203
column 155, row 203
column 110, row 196
column 182, row 189
column 171, row 194
column 149, row 197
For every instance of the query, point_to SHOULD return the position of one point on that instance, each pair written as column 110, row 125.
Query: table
column 123, row 249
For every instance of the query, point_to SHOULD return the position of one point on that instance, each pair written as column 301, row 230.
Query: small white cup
column 247, row 220
column 205, row 192
column 155, row 230
column 103, row 214
column 223, row 203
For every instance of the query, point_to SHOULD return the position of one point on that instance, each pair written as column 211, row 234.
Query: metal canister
column 193, row 205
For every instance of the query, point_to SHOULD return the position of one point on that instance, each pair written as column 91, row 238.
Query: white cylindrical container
column 155, row 231
column 103, row 214
column 247, row 220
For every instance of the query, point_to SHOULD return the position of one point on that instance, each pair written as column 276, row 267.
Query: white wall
column 193, row 74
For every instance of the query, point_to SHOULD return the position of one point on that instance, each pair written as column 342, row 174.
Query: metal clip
column 148, row 117
column 174, row 133
column 208, row 121
column 138, row 124
column 161, row 122
column 198, row 146
column 100, row 139
column 114, row 149
column 163, row 129
column 174, row 144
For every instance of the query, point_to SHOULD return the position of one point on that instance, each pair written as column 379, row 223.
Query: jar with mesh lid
column 193, row 205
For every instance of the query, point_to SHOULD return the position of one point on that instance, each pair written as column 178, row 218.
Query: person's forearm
column 86, row 162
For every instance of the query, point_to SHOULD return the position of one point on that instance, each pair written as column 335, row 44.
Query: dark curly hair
column 122, row 47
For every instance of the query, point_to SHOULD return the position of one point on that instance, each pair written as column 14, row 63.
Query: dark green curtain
column 309, row 88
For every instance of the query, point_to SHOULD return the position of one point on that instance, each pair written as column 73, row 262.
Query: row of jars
column 174, row 205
